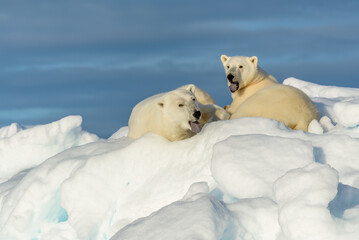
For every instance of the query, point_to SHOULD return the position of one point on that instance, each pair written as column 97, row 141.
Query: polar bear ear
column 224, row 58
column 190, row 87
column 254, row 60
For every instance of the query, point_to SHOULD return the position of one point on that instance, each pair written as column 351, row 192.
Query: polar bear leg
column 212, row 112
column 301, row 126
column 221, row 114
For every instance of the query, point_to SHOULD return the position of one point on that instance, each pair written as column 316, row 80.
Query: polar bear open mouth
column 233, row 86
column 195, row 126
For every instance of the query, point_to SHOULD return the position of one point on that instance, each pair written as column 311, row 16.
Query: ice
column 347, row 198
column 9, row 131
column 254, row 162
column 25, row 148
column 316, row 127
column 339, row 103
column 347, row 112
column 315, row 90
column 242, row 179
column 199, row 216
column 303, row 196
column 122, row 132
column 256, row 218
column 341, row 152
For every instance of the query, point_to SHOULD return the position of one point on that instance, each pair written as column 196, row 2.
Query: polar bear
column 209, row 109
column 256, row 93
column 175, row 115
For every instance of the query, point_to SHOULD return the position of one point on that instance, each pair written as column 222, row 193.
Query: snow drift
column 23, row 148
column 249, row 178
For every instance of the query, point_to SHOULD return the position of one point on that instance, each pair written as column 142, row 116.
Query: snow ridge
column 248, row 178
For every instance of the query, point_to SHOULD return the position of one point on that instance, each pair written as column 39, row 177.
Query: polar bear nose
column 230, row 77
column 197, row 114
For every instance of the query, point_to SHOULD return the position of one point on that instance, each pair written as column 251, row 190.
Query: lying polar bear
column 175, row 115
column 256, row 93
column 210, row 111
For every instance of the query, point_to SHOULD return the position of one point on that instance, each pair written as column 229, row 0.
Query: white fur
column 209, row 109
column 260, row 95
column 163, row 115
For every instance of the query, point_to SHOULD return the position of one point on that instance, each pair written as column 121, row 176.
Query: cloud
column 99, row 59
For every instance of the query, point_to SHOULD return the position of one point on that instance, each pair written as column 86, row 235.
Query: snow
column 11, row 130
column 200, row 214
column 255, row 162
column 25, row 148
column 302, row 203
column 339, row 103
column 243, row 179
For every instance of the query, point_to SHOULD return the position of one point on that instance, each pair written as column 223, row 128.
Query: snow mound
column 201, row 215
column 242, row 179
column 339, row 103
column 314, row 90
column 303, row 203
column 25, row 148
column 255, row 162
column 255, row 218
column 11, row 130
column 122, row 132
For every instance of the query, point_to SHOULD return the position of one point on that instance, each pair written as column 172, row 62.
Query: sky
column 98, row 59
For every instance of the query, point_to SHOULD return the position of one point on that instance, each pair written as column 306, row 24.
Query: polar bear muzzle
column 233, row 86
column 196, row 127
column 197, row 114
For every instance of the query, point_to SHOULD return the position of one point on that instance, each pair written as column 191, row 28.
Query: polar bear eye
column 228, row 67
column 180, row 105
column 240, row 66
column 193, row 99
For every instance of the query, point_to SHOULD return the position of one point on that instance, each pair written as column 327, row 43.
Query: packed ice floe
column 242, row 179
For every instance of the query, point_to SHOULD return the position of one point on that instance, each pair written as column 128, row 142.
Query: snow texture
column 21, row 148
column 242, row 179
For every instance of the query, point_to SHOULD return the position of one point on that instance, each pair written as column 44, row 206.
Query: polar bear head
column 180, row 108
column 240, row 70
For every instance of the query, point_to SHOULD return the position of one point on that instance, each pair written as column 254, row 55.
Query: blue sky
column 98, row 59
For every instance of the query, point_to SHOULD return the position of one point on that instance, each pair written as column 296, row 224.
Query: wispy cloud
column 99, row 58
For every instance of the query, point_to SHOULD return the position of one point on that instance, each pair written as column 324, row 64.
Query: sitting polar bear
column 256, row 93
column 175, row 115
